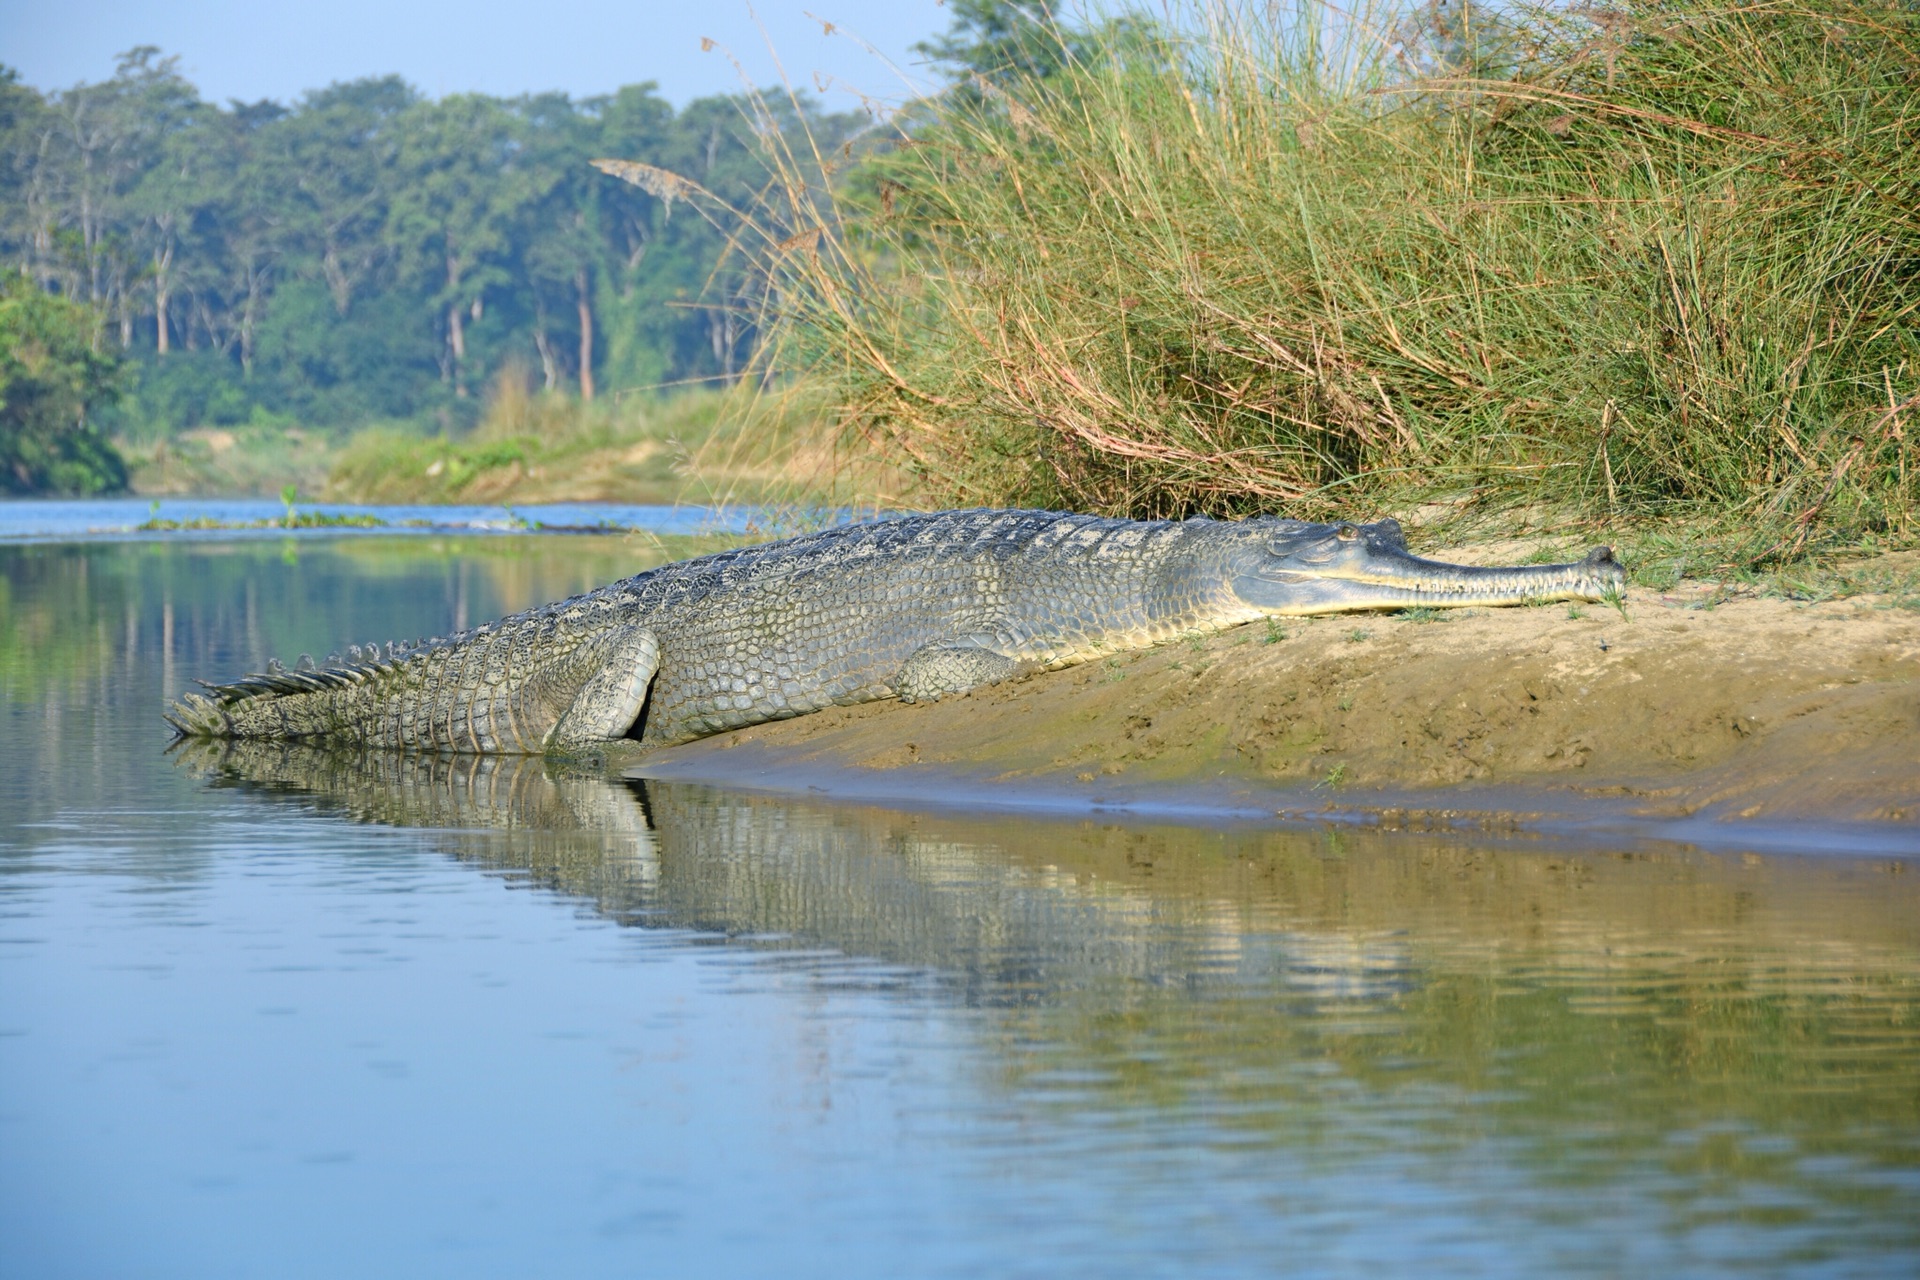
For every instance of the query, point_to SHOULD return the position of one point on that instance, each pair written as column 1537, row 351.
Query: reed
column 1654, row 260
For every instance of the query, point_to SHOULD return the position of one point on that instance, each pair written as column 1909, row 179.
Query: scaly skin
column 914, row 608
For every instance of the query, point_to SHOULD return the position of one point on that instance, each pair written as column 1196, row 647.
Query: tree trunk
column 206, row 325
column 337, row 283
column 586, row 336
column 549, row 367
column 457, row 343
column 162, row 290
column 247, row 317
column 456, row 331
column 723, row 336
column 88, row 236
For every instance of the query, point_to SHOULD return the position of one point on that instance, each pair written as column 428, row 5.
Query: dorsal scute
column 361, row 662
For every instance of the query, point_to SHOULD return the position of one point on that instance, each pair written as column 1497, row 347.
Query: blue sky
column 251, row 49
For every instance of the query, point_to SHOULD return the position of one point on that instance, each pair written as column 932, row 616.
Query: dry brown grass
column 1653, row 262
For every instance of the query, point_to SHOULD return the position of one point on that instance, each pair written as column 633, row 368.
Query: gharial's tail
column 520, row 686
column 273, row 703
column 194, row 715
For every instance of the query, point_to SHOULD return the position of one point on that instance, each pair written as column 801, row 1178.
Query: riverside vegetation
column 1653, row 265
column 265, row 281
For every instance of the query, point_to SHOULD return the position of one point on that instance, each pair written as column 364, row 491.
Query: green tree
column 461, row 181
column 183, row 149
column 562, row 253
column 20, row 111
column 343, row 144
column 1012, row 43
column 366, row 254
column 50, row 376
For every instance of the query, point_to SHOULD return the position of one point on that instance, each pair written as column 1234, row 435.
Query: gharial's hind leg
column 937, row 670
column 613, row 695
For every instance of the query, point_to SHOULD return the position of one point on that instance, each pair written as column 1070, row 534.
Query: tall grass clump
column 1658, row 258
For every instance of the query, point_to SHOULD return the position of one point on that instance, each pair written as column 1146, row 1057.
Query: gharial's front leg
column 936, row 671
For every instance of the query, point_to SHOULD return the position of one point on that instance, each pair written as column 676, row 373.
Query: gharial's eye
column 1346, row 533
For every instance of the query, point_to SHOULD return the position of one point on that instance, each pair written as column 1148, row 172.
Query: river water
column 281, row 1013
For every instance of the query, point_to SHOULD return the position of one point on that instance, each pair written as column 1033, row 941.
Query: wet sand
column 1719, row 719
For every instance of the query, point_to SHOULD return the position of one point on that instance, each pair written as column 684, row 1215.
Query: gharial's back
column 836, row 619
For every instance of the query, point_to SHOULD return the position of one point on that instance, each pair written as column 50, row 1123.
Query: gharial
column 913, row 608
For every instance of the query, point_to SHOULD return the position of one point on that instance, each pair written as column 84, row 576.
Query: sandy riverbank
column 1690, row 705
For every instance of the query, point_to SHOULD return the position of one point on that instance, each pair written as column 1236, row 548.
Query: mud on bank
column 1691, row 702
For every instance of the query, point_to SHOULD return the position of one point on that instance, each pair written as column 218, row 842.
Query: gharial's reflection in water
column 1737, row 1037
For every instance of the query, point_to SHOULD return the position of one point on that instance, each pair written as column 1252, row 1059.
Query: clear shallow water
column 286, row 1013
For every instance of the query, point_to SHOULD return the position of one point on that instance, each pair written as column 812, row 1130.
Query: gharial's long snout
column 1409, row 581
column 1368, row 567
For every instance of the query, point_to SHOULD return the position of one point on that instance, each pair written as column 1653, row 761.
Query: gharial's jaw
column 1396, row 580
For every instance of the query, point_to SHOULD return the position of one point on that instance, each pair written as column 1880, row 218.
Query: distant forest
column 370, row 254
